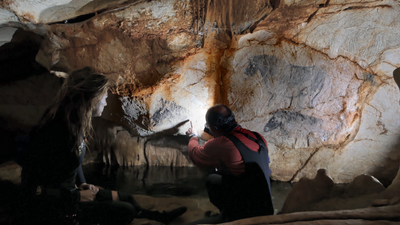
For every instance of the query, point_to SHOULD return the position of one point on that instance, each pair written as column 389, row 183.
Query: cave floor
column 166, row 188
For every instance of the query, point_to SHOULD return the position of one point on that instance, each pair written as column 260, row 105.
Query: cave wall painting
column 294, row 100
column 301, row 83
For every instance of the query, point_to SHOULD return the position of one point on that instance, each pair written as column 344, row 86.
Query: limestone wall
column 313, row 77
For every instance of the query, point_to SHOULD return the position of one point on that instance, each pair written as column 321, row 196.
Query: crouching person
column 240, row 187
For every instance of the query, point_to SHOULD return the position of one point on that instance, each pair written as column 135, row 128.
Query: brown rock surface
column 378, row 215
column 313, row 77
column 10, row 171
column 319, row 194
column 167, row 152
column 363, row 185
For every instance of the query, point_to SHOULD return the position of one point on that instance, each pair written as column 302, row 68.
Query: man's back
column 246, row 191
column 221, row 153
column 252, row 188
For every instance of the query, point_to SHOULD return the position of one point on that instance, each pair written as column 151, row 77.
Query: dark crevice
column 254, row 25
column 305, row 164
column 311, row 16
column 367, row 7
column 319, row 6
column 325, row 4
column 79, row 19
column 274, row 4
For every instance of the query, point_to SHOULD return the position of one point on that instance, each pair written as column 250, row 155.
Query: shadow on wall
column 132, row 115
column 114, row 112
column 17, row 58
column 26, row 89
column 389, row 168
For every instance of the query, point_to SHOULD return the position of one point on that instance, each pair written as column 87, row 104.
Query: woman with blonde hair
column 53, row 185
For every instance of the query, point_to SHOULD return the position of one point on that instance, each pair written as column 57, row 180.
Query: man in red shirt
column 240, row 187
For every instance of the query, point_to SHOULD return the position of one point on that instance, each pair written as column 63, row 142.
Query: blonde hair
column 77, row 98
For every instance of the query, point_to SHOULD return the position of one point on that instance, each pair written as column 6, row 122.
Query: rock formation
column 313, row 77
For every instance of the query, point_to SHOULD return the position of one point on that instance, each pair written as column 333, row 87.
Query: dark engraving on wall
column 168, row 111
column 294, row 129
column 300, row 83
column 284, row 119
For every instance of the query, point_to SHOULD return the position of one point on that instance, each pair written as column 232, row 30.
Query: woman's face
column 98, row 109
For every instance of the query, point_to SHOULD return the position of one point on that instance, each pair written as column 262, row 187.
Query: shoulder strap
column 260, row 141
column 237, row 142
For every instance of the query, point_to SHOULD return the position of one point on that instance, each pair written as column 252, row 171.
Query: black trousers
column 48, row 209
column 105, row 211
column 238, row 197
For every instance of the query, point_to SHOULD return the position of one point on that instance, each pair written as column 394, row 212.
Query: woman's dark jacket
column 50, row 160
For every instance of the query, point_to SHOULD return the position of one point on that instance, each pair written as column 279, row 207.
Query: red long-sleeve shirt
column 221, row 150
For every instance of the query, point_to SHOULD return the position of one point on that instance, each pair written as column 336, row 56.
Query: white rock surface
column 7, row 17
column 6, row 34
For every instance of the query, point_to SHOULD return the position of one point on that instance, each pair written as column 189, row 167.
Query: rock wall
column 313, row 77
column 22, row 103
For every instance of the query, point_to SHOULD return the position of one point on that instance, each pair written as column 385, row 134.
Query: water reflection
column 164, row 181
column 154, row 181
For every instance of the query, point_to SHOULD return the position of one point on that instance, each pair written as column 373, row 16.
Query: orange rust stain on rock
column 154, row 52
column 354, row 117
column 135, row 90
column 28, row 17
column 213, row 75
column 132, row 90
column 223, row 97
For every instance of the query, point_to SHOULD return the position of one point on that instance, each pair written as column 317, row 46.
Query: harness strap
column 258, row 141
column 250, row 156
column 256, row 173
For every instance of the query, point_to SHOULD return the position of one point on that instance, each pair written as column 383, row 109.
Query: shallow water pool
column 164, row 181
